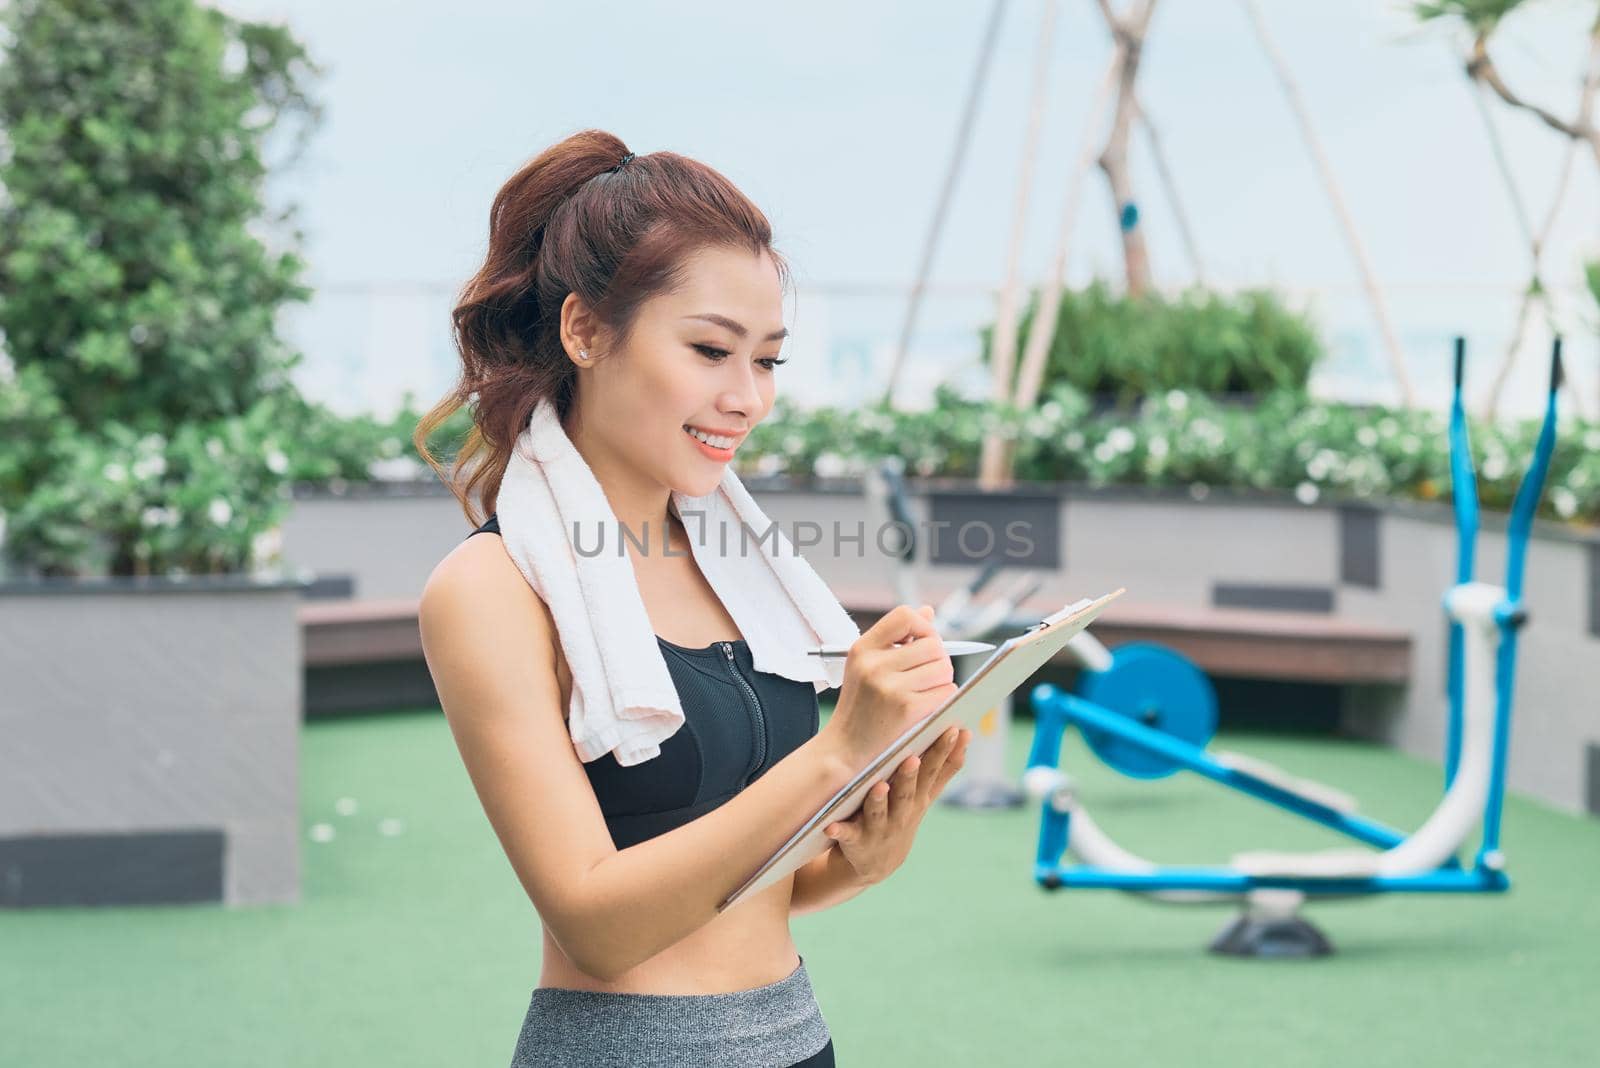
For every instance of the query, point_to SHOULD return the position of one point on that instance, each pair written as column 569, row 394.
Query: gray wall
column 388, row 542
column 1556, row 708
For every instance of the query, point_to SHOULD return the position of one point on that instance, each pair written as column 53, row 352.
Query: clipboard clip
column 1056, row 617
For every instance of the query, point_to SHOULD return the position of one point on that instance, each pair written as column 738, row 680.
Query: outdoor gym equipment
column 1150, row 713
column 982, row 783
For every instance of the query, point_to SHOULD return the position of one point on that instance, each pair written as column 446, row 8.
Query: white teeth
column 710, row 439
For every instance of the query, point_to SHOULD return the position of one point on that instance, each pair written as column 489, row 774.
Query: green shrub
column 329, row 449
column 1129, row 347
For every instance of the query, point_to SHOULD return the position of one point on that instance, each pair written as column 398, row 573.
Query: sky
column 839, row 120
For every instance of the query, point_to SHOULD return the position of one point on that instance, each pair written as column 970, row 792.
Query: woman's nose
column 744, row 399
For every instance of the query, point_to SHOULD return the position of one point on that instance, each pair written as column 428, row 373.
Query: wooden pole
column 1129, row 34
column 993, row 470
column 1042, row 331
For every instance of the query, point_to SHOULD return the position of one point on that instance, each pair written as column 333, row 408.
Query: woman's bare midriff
column 746, row 947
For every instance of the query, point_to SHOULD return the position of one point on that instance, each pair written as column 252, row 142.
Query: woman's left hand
column 876, row 840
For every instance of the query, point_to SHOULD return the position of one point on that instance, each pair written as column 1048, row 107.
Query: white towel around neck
column 623, row 698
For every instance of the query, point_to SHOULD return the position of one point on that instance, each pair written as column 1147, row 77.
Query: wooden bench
column 368, row 654
column 363, row 656
column 1231, row 642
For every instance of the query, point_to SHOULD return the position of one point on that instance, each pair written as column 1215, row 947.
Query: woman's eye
column 714, row 353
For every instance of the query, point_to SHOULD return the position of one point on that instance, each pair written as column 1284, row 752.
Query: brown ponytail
column 568, row 222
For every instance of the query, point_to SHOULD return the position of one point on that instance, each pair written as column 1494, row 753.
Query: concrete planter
column 150, row 741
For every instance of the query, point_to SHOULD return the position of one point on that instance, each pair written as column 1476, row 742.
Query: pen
column 951, row 648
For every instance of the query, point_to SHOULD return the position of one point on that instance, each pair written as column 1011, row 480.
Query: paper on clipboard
column 1008, row 667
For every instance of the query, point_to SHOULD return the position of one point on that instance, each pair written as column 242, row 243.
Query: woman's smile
column 722, row 451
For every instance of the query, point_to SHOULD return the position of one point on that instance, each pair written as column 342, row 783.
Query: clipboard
column 1008, row 667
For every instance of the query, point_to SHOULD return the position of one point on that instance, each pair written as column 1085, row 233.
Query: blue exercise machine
column 1148, row 712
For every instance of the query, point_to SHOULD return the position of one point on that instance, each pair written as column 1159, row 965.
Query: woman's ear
column 580, row 331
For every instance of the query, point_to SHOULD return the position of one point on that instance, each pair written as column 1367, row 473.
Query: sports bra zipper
column 755, row 703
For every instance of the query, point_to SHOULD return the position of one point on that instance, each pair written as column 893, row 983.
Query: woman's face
column 701, row 357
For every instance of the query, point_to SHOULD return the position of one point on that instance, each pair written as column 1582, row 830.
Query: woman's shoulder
column 479, row 579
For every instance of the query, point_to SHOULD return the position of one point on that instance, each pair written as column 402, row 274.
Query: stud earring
column 583, row 354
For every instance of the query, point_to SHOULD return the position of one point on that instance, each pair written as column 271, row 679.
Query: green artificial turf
column 419, row 947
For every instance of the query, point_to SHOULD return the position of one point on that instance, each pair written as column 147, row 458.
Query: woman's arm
column 823, row 882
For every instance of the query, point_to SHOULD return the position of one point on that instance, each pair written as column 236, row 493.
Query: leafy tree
column 1482, row 20
column 140, row 281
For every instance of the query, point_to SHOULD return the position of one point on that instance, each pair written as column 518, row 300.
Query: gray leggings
column 774, row 1026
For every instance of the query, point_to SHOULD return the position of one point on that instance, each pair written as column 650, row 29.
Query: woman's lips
column 711, row 451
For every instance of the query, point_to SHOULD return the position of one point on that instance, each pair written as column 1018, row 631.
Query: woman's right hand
column 886, row 687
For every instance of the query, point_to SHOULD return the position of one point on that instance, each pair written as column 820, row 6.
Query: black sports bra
column 738, row 722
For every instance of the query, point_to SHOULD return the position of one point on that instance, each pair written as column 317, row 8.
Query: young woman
column 643, row 295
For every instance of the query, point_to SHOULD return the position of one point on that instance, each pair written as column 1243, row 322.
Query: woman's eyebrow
column 737, row 328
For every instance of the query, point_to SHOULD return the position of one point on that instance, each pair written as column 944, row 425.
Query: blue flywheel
column 1158, row 688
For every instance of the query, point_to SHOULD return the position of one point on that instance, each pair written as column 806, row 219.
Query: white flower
column 1074, row 440
column 152, row 443
column 1121, row 439
column 115, row 473
column 1104, row 452
column 1494, row 466
column 277, row 462
column 1366, row 437
column 220, row 511
column 1177, row 400
column 235, row 56
column 159, row 517
column 1207, row 432
column 266, row 547
column 1306, row 493
column 1565, row 502
column 769, row 464
column 214, row 448
column 150, row 467
column 793, row 443
column 829, row 465
column 1158, row 448
column 1591, row 440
